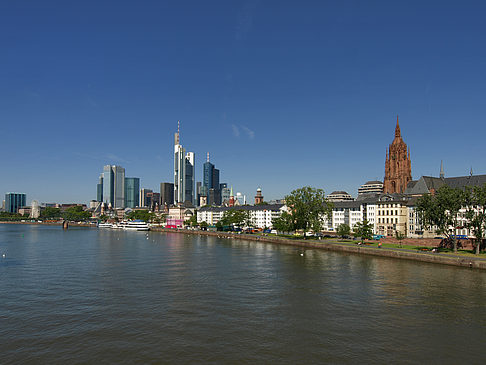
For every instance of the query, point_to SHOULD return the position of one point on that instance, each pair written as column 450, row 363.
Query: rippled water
column 89, row 296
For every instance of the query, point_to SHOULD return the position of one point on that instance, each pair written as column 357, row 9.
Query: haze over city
column 281, row 95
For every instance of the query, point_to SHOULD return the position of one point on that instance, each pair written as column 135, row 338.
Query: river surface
column 104, row 296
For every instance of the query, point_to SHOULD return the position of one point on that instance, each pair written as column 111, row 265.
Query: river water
column 88, row 296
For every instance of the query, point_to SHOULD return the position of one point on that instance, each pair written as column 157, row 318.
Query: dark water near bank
column 89, row 296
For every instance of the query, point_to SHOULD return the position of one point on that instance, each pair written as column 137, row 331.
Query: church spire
column 397, row 129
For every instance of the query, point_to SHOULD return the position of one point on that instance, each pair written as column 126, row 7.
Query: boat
column 136, row 225
column 105, row 225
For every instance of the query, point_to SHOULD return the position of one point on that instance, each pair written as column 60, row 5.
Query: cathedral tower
column 398, row 167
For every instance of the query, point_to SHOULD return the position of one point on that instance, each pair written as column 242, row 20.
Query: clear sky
column 281, row 93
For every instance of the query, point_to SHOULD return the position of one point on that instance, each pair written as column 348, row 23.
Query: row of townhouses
column 262, row 215
column 387, row 213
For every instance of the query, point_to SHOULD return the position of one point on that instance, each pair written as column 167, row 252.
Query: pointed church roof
column 397, row 129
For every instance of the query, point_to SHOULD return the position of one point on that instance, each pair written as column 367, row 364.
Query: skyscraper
column 145, row 198
column 398, row 167
column 166, row 194
column 211, row 183
column 132, row 192
column 99, row 189
column 114, row 186
column 184, row 169
column 14, row 201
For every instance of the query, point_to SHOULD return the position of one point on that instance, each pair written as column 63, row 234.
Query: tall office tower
column 114, row 186
column 184, row 169
column 14, row 201
column 132, row 192
column 225, row 194
column 145, row 198
column 99, row 189
column 166, row 194
column 198, row 192
column 211, row 183
column 155, row 197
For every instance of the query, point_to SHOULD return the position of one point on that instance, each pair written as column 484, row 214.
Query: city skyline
column 281, row 96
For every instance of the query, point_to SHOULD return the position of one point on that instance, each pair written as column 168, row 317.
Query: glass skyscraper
column 114, row 186
column 14, row 201
column 184, row 169
column 99, row 189
column 211, row 183
column 132, row 192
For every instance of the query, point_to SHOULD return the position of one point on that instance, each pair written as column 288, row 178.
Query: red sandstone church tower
column 398, row 167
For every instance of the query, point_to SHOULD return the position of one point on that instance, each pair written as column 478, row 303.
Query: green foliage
column 343, row 230
column 284, row 223
column 143, row 215
column 192, row 221
column 76, row 214
column 50, row 213
column 234, row 217
column 363, row 230
column 10, row 217
column 203, row 224
column 474, row 200
column 441, row 210
column 399, row 236
column 308, row 207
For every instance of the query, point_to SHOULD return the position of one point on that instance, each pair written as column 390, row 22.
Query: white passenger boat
column 136, row 225
column 105, row 225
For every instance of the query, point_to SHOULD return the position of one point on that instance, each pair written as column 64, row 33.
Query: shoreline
column 330, row 245
column 52, row 224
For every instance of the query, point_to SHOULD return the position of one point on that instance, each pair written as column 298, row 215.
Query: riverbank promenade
column 407, row 252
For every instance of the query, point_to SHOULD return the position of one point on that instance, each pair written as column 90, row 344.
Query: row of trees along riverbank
column 444, row 209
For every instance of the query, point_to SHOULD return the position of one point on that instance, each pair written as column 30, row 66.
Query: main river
column 88, row 296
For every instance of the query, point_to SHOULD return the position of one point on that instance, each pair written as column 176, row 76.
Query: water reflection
column 168, row 297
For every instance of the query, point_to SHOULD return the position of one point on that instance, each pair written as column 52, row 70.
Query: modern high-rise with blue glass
column 211, row 187
column 114, row 186
column 132, row 192
column 14, row 201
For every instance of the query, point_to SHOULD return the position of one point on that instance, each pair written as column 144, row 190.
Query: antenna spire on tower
column 208, row 157
column 176, row 139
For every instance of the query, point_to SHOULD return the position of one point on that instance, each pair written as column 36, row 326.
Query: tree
column 441, row 210
column 399, row 236
column 203, row 224
column 233, row 217
column 143, row 215
column 284, row 223
column 247, row 218
column 50, row 212
column 474, row 201
column 363, row 230
column 192, row 221
column 308, row 206
column 76, row 213
column 343, row 230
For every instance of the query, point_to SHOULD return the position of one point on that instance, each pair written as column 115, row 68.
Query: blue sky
column 282, row 94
